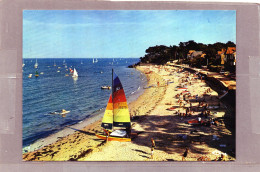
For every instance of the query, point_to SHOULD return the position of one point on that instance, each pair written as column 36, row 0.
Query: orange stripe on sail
column 109, row 106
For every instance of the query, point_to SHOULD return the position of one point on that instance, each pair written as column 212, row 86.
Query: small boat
column 116, row 121
column 75, row 73
column 60, row 112
column 36, row 64
column 23, row 64
column 30, row 75
column 71, row 71
column 106, row 87
column 41, row 73
column 36, row 74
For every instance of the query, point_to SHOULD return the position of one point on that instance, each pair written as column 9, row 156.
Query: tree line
column 161, row 54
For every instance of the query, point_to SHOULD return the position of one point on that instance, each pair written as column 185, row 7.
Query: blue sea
column 83, row 97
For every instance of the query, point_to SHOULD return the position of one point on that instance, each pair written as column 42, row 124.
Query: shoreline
column 152, row 120
column 67, row 130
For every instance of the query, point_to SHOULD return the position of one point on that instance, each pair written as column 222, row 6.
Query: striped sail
column 121, row 112
column 117, row 113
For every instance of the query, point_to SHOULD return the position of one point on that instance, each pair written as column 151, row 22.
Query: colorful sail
column 117, row 113
column 107, row 121
column 121, row 112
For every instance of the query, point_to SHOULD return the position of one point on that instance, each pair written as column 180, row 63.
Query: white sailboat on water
column 36, row 64
column 75, row 73
column 23, row 63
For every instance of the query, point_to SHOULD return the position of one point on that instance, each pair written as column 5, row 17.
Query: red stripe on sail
column 119, row 96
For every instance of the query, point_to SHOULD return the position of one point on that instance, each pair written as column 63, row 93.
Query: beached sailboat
column 36, row 64
column 116, row 121
column 75, row 73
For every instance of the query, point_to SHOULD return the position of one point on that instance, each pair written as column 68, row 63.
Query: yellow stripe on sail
column 107, row 120
column 108, row 117
column 121, row 115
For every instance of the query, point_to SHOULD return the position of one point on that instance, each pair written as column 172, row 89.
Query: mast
column 113, row 89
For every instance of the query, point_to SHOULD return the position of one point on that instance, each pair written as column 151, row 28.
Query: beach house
column 192, row 53
column 230, row 56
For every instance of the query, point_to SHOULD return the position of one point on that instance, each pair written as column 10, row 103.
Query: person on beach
column 199, row 120
column 152, row 148
column 185, row 154
column 221, row 158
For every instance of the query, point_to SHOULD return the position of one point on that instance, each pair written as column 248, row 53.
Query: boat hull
column 111, row 138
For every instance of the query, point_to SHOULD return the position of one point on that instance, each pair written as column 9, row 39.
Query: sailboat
column 36, row 64
column 75, row 73
column 36, row 74
column 116, row 121
column 23, row 64
column 96, row 60
column 93, row 60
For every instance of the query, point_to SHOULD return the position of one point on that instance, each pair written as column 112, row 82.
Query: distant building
column 227, row 58
column 192, row 53
column 230, row 56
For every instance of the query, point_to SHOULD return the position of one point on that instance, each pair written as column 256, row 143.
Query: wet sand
column 151, row 119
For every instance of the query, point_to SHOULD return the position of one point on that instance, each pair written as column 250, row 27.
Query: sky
column 119, row 33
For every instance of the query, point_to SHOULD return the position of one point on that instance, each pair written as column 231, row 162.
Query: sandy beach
column 162, row 112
